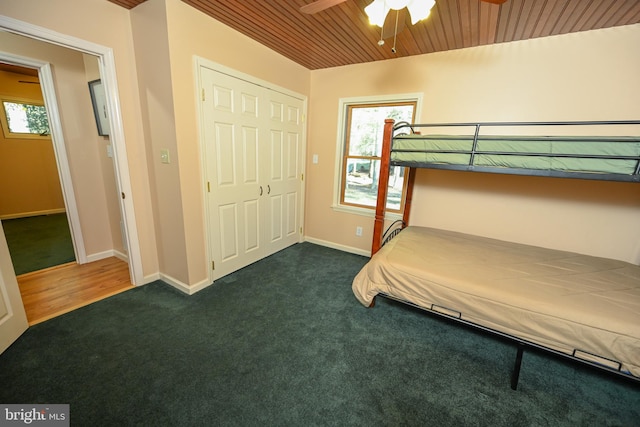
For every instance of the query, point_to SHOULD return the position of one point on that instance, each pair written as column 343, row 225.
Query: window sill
column 371, row 213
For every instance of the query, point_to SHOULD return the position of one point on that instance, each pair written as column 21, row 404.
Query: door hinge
column 208, row 187
column 203, row 94
column 302, row 177
column 213, row 265
column 300, row 230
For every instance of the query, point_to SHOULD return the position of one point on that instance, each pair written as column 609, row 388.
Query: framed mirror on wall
column 96, row 89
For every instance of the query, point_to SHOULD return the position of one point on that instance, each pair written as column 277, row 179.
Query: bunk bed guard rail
column 508, row 149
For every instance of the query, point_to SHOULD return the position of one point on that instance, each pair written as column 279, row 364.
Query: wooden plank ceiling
column 342, row 35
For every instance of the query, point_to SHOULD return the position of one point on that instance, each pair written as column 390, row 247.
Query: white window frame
column 344, row 103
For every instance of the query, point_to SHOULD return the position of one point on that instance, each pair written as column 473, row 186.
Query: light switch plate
column 164, row 156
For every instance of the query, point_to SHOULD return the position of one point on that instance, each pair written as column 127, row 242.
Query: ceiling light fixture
column 418, row 9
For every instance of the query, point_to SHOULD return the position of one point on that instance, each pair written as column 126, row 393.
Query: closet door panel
column 287, row 124
column 225, row 155
column 252, row 226
column 275, row 223
column 253, row 155
column 228, row 215
column 232, row 127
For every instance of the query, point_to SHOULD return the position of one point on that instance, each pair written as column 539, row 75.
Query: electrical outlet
column 358, row 231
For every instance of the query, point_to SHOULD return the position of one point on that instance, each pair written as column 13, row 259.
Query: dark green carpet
column 284, row 342
column 38, row 242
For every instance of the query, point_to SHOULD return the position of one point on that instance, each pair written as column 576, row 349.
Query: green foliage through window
column 26, row 118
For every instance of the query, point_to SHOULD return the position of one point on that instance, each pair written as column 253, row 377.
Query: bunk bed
column 581, row 307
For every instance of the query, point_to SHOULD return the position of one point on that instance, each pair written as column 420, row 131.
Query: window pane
column 362, row 184
column 362, row 151
column 367, row 126
column 396, row 185
column 361, row 188
column 26, row 118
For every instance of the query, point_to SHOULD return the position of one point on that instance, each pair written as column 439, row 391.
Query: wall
column 192, row 33
column 83, row 149
column 77, row 18
column 167, row 35
column 153, row 46
column 105, row 155
column 577, row 76
column 582, row 76
column 29, row 183
column 149, row 24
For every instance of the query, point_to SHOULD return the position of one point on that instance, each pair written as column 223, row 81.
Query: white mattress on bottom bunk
column 557, row 299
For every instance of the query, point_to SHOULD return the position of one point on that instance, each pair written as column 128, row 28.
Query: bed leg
column 373, row 303
column 515, row 375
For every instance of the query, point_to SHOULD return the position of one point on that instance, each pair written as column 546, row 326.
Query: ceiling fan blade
column 319, row 5
column 389, row 29
column 494, row 1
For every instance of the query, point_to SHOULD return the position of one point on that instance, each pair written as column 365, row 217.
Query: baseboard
column 108, row 254
column 337, row 246
column 35, row 213
column 183, row 287
column 121, row 255
column 192, row 289
column 150, row 278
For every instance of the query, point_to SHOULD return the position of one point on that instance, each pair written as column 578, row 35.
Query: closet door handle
column 261, row 190
column 268, row 189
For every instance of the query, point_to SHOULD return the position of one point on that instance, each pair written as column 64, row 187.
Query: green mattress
column 571, row 154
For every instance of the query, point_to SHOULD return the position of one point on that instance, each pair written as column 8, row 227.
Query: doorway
column 107, row 72
column 36, row 203
column 105, row 69
column 31, row 200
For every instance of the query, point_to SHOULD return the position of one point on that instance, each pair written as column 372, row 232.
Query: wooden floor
column 61, row 289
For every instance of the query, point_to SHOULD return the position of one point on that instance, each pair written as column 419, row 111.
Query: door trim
column 106, row 64
column 57, row 137
column 200, row 63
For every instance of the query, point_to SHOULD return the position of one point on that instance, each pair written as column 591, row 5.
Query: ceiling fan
column 378, row 13
column 320, row 5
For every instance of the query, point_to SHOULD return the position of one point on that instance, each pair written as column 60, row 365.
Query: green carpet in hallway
column 284, row 342
column 38, row 242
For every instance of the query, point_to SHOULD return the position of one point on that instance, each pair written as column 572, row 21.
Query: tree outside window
column 24, row 119
column 363, row 147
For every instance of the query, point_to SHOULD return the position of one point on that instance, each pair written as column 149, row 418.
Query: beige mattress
column 560, row 300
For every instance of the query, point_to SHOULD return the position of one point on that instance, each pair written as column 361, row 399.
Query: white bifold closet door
column 253, row 144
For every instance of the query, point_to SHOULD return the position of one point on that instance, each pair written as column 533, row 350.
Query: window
column 361, row 146
column 24, row 119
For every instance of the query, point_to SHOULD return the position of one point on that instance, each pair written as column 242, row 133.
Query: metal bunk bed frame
column 380, row 237
column 387, row 148
column 635, row 177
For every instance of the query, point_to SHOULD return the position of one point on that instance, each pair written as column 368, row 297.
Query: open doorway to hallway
column 32, row 205
column 35, row 214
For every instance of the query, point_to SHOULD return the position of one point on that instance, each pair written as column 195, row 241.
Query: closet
column 253, row 148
